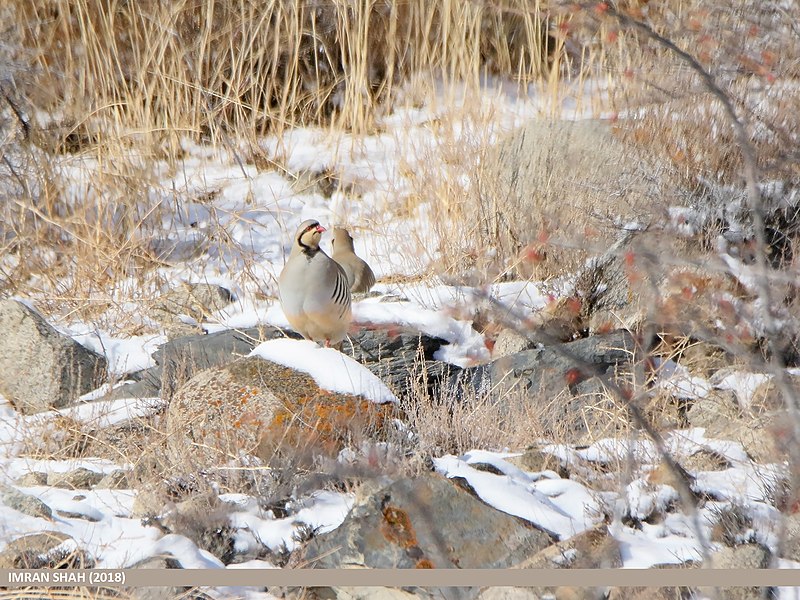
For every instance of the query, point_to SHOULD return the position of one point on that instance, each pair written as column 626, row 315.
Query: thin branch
column 754, row 200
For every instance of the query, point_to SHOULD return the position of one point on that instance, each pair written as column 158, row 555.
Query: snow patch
column 331, row 369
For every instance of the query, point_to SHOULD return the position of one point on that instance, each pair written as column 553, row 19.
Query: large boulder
column 402, row 358
column 254, row 407
column 218, row 415
column 181, row 358
column 40, row 368
column 425, row 522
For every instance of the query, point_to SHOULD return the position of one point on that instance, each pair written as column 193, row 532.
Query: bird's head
column 342, row 240
column 308, row 235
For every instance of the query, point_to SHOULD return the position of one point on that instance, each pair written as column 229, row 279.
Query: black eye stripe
column 305, row 247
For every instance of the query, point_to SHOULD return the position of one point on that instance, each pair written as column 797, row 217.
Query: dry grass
column 113, row 88
column 129, row 81
column 541, row 210
column 463, row 416
column 59, row 439
column 751, row 53
column 224, row 68
column 543, row 200
column 126, row 82
column 138, row 443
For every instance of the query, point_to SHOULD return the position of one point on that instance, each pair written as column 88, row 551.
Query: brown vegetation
column 124, row 85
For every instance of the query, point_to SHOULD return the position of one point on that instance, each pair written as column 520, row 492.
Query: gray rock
column 41, row 369
column 711, row 409
column 72, row 514
column 377, row 344
column 196, row 300
column 597, row 352
column 746, row 556
column 24, row 503
column 401, row 357
column 116, row 480
column 32, row 479
column 77, row 479
column 147, row 385
column 509, row 342
column 179, row 359
column 46, row 550
column 158, row 593
column 412, row 378
column 203, row 351
column 424, row 522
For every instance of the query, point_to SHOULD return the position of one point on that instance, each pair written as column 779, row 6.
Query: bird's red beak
column 320, row 228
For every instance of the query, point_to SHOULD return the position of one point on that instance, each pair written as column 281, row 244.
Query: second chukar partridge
column 359, row 274
column 314, row 291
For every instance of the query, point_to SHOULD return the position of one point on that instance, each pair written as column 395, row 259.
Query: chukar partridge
column 314, row 290
column 359, row 275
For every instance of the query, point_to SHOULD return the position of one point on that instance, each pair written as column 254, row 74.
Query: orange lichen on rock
column 322, row 424
column 397, row 528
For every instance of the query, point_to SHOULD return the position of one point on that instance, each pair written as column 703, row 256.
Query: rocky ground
column 211, row 404
column 637, row 416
